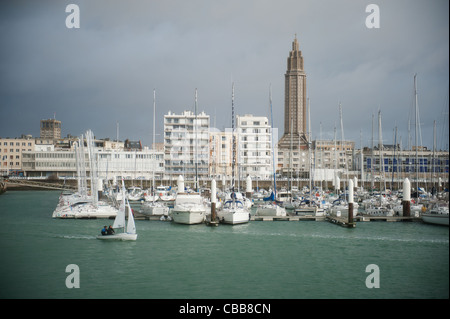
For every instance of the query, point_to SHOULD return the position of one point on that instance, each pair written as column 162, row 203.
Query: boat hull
column 270, row 211
column 121, row 236
column 155, row 210
column 188, row 217
column 435, row 219
column 234, row 217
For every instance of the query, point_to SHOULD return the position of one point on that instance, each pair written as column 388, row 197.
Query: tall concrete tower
column 294, row 101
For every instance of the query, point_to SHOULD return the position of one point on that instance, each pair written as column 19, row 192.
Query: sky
column 105, row 71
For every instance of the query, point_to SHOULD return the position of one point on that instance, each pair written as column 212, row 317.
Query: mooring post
column 406, row 198
column 350, row 202
column 213, row 200
column 180, row 184
column 248, row 190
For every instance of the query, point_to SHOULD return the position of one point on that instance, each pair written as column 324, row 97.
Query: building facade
column 111, row 164
column 220, row 154
column 294, row 101
column 11, row 154
column 423, row 166
column 254, row 147
column 186, row 145
column 50, row 129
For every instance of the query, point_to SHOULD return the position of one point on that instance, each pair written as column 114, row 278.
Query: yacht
column 270, row 209
column 189, row 209
column 234, row 212
column 438, row 214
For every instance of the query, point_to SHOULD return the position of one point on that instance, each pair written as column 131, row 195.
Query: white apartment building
column 254, row 147
column 186, row 145
column 221, row 154
column 111, row 163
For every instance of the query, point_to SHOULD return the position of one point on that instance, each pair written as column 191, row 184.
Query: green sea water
column 258, row 260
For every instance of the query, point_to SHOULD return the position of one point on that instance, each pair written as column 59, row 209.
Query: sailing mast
column 273, row 149
column 153, row 145
column 342, row 144
column 380, row 150
column 372, row 182
column 416, row 135
column 233, row 139
column 195, row 145
column 309, row 152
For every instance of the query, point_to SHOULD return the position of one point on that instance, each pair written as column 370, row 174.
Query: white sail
column 119, row 222
column 131, row 227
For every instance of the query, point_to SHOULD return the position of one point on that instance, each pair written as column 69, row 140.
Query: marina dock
column 333, row 219
column 288, row 218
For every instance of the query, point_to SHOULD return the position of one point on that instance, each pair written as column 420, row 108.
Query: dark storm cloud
column 106, row 71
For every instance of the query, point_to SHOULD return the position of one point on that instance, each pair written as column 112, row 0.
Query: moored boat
column 438, row 214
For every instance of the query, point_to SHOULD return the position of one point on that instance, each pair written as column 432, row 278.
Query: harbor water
column 258, row 260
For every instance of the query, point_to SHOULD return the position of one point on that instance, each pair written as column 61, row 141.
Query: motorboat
column 189, row 208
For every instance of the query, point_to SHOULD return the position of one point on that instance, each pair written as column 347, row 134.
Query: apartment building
column 186, row 144
column 11, row 154
column 254, row 147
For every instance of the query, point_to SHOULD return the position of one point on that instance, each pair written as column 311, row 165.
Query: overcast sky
column 105, row 71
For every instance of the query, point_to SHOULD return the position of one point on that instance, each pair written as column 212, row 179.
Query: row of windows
column 10, row 164
column 255, row 123
column 17, row 143
column 11, row 150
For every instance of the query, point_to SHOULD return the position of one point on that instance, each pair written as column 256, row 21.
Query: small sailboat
column 271, row 208
column 234, row 211
column 128, row 229
column 154, row 207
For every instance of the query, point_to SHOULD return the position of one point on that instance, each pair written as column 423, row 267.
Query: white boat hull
column 274, row 210
column 435, row 219
column 188, row 217
column 234, row 217
column 155, row 210
column 121, row 236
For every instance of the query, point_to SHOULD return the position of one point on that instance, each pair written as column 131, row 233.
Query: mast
column 273, row 150
column 342, row 144
column 309, row 152
column 290, row 162
column 394, row 159
column 195, row 145
column 153, row 145
column 416, row 135
column 372, row 182
column 362, row 160
column 380, row 150
column 233, row 139
column 335, row 159
column 321, row 159
column 433, row 181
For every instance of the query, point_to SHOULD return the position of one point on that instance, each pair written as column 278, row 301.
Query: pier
column 288, row 218
column 22, row 184
column 333, row 219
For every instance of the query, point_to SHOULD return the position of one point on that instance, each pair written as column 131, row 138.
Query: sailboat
column 233, row 211
column 80, row 204
column 270, row 208
column 153, row 207
column 189, row 208
column 128, row 229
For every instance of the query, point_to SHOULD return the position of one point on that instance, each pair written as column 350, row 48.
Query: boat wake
column 75, row 236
